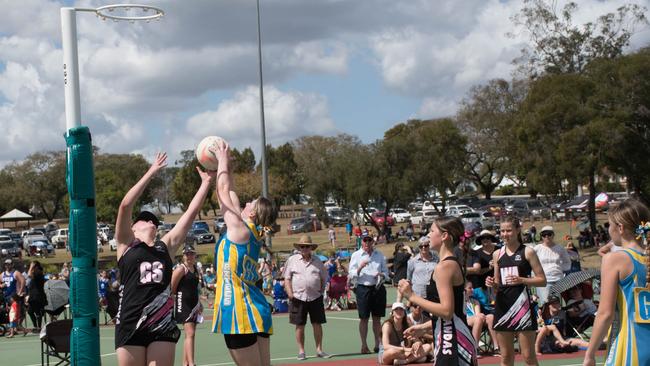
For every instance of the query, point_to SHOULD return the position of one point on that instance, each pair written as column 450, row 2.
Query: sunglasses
column 546, row 234
column 304, row 246
column 424, row 246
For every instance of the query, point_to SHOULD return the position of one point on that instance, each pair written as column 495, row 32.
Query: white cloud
column 288, row 115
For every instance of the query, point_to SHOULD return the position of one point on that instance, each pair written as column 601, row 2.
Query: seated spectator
column 396, row 349
column 337, row 289
column 551, row 337
column 280, row 297
column 476, row 320
column 580, row 311
column 417, row 316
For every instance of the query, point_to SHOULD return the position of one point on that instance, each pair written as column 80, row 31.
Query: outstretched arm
column 176, row 236
column 228, row 200
column 123, row 234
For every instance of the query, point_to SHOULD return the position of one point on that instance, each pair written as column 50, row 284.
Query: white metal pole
column 265, row 173
column 70, row 68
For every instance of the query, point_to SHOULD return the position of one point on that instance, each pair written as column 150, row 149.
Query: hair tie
column 642, row 230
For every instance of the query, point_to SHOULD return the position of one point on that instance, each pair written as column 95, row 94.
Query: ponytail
column 516, row 223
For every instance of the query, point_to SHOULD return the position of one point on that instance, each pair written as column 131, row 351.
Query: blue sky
column 330, row 67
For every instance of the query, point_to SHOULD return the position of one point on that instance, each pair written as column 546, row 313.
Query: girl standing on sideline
column 36, row 298
column 514, row 313
column 185, row 285
column 241, row 312
column 145, row 331
column 622, row 271
column 445, row 297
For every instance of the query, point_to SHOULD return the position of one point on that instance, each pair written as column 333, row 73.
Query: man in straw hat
column 305, row 279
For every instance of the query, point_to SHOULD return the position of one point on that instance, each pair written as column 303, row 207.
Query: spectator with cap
column 368, row 270
column 305, row 279
column 421, row 267
column 396, row 348
column 554, row 259
column 13, row 281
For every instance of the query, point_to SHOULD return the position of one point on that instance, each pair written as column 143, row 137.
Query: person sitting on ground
column 551, row 337
column 396, row 349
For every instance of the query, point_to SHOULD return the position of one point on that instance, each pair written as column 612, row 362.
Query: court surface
column 341, row 339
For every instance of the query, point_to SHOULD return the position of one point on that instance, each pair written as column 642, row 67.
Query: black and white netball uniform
column 187, row 297
column 145, row 312
column 513, row 310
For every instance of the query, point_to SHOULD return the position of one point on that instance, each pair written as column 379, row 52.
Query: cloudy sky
column 330, row 66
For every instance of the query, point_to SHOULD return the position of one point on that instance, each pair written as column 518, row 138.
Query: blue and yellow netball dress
column 239, row 306
column 630, row 348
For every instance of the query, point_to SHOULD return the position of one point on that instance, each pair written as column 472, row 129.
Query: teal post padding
column 80, row 179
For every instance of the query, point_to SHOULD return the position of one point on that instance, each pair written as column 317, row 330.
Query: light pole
column 265, row 173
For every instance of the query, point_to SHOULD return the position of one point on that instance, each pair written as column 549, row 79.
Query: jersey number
column 151, row 272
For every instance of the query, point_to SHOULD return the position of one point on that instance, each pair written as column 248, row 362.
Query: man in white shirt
column 555, row 261
column 368, row 270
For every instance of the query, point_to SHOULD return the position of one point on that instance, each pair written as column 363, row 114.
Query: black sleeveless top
column 459, row 295
column 515, row 264
column 187, row 294
column 145, row 273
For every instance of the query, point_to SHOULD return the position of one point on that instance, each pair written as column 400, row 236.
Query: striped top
column 240, row 307
column 630, row 346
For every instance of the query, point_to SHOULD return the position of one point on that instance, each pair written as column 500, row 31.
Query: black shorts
column 143, row 338
column 237, row 341
column 370, row 300
column 298, row 311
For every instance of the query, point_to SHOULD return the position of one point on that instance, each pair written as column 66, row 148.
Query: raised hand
column 220, row 149
column 159, row 163
column 404, row 288
column 206, row 176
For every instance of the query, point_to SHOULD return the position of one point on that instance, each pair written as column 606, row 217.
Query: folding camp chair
column 55, row 342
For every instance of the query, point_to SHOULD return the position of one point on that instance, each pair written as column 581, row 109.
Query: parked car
column 16, row 238
column 531, row 208
column 378, row 218
column 400, row 215
column 50, row 229
column 496, row 209
column 219, row 224
column 308, row 212
column 5, row 231
column 60, row 238
column 339, row 216
column 112, row 244
column 29, row 236
column 200, row 225
column 8, row 248
column 428, row 217
column 40, row 247
column 199, row 236
column 457, row 210
column 485, row 219
column 428, row 205
column 416, row 218
column 303, row 225
column 415, row 206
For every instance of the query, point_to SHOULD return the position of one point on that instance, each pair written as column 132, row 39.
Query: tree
column 242, row 162
column 623, row 102
column 282, row 164
column 557, row 46
column 115, row 174
column 42, row 180
column 187, row 182
column 484, row 118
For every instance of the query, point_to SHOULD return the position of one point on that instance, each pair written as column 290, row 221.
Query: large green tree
column 485, row 117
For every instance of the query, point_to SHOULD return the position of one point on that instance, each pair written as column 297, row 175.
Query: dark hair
column 516, row 223
column 38, row 266
column 265, row 212
column 453, row 226
column 398, row 246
